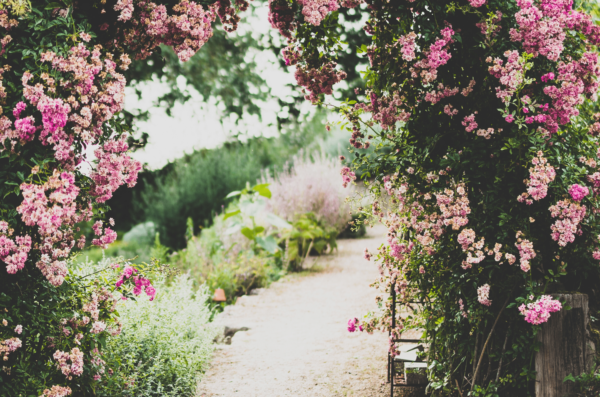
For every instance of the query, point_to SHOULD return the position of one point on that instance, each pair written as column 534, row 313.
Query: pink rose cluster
column 483, row 295
column 141, row 283
column 315, row 11
column 477, row 3
column 443, row 92
column 539, row 311
column 578, row 192
column 569, row 215
column 387, row 111
column 148, row 25
column 318, row 80
column 281, row 17
column 8, row 346
column 114, row 169
column 57, row 391
column 75, row 367
column 437, row 55
column 408, row 43
column 526, row 252
column 354, row 324
column 511, row 75
column 469, row 122
column 454, row 206
column 540, row 176
column 347, row 176
column 94, row 92
column 543, row 26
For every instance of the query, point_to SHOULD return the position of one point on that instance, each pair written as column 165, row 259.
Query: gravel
column 297, row 343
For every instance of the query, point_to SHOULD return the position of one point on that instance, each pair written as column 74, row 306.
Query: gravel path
column 297, row 343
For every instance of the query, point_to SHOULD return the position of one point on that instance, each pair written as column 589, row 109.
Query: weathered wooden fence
column 565, row 347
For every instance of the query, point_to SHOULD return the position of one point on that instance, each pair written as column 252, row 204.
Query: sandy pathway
column 297, row 343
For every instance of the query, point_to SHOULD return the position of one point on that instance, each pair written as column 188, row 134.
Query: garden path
column 297, row 343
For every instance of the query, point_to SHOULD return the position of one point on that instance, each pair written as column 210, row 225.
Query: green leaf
column 230, row 214
column 263, row 191
column 51, row 6
column 276, row 221
column 233, row 194
column 252, row 208
column 249, row 233
column 268, row 243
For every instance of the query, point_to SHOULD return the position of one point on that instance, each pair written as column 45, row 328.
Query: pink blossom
column 547, row 77
column 578, row 192
column 526, row 253
column 63, row 358
column 347, row 176
column 469, row 122
column 97, row 327
column 57, row 391
column 352, row 325
column 539, row 312
column 315, row 11
column 569, row 215
column 408, row 46
column 483, row 294
column 477, row 3
column 19, row 329
column 540, row 176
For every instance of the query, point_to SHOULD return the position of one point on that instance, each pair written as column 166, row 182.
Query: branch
column 502, row 355
column 486, row 342
column 457, row 385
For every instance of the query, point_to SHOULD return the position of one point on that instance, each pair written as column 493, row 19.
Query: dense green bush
column 164, row 345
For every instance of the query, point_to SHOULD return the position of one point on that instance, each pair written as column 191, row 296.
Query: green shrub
column 165, row 344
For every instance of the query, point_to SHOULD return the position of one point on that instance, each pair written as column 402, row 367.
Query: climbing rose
column 539, row 312
column 578, row 192
column 483, row 294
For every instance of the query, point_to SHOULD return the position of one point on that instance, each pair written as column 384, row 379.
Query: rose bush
column 63, row 153
column 485, row 171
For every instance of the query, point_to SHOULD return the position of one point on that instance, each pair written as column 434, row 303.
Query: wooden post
column 565, row 347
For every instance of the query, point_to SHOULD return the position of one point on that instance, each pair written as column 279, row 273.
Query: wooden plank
column 564, row 347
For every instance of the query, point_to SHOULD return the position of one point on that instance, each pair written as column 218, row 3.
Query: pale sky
column 196, row 124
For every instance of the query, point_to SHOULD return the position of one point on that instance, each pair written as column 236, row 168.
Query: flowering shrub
column 61, row 91
column 164, row 345
column 484, row 171
column 310, row 185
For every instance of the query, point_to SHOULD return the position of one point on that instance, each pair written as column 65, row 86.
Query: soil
column 297, row 343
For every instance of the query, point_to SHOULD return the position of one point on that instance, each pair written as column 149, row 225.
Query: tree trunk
column 565, row 347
